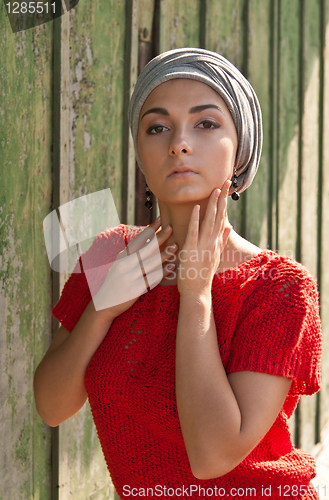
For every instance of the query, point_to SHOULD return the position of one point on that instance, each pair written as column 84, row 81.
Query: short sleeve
column 279, row 328
column 76, row 292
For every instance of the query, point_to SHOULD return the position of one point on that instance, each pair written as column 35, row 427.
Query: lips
column 180, row 170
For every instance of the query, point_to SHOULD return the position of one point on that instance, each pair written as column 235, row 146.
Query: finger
column 152, row 246
column 193, row 227
column 141, row 239
column 208, row 222
column 155, row 261
column 155, row 277
column 221, row 208
column 168, row 255
column 169, row 269
column 164, row 234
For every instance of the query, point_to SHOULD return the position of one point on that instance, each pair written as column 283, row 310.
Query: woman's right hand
column 139, row 265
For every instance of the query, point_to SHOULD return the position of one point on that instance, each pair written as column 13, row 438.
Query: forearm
column 59, row 379
column 208, row 411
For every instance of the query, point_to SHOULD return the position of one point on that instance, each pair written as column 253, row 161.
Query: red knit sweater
column 267, row 317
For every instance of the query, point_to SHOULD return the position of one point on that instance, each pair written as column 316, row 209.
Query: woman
column 191, row 384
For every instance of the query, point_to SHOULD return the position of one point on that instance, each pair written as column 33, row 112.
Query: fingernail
column 218, row 191
column 170, row 267
column 167, row 228
column 173, row 246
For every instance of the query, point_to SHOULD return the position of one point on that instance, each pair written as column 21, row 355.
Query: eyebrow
column 195, row 109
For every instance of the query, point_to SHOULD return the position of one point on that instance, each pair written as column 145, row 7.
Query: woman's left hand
column 200, row 255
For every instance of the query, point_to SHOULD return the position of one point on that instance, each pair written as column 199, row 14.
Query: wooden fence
column 64, row 92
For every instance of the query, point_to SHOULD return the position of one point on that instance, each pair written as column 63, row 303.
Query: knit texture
column 267, row 318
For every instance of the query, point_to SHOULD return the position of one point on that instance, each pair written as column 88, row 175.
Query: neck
column 178, row 216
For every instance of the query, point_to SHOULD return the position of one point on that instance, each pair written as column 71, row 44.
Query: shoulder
column 131, row 231
column 272, row 291
column 280, row 273
column 107, row 244
column 282, row 295
column 277, row 283
column 277, row 326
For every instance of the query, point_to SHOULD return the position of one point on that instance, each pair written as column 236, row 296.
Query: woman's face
column 185, row 124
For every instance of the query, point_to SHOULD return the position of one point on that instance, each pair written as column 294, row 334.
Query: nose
column 179, row 144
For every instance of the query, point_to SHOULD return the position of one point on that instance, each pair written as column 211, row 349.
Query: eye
column 208, row 125
column 156, row 129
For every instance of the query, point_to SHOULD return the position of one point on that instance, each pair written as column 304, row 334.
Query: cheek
column 142, row 145
column 149, row 151
column 226, row 150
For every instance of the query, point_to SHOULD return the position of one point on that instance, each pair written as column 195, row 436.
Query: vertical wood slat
column 288, row 139
column 25, row 193
column 257, row 202
column 147, row 44
column 97, row 42
column 225, row 29
column 274, row 124
column 93, row 49
column 179, row 24
column 324, row 186
column 310, row 135
column 55, row 277
column 64, row 165
column 39, row 273
column 289, row 130
column 309, row 162
column 130, row 77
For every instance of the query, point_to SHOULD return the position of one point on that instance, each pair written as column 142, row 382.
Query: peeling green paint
column 22, row 445
column 25, row 85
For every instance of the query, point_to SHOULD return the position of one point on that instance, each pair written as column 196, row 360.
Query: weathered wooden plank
column 96, row 97
column 225, row 29
column 285, row 227
column 56, row 155
column 25, row 180
column 40, row 165
column 83, row 474
column 147, row 47
column 225, row 34
column 309, row 177
column 310, row 136
column 274, row 127
column 129, row 182
column 179, row 24
column 288, row 129
column 64, row 159
column 324, row 186
column 94, row 162
column 257, row 195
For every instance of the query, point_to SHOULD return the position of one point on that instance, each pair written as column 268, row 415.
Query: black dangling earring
column 148, row 193
column 235, row 196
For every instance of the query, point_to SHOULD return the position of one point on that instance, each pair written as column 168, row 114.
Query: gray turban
column 221, row 75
